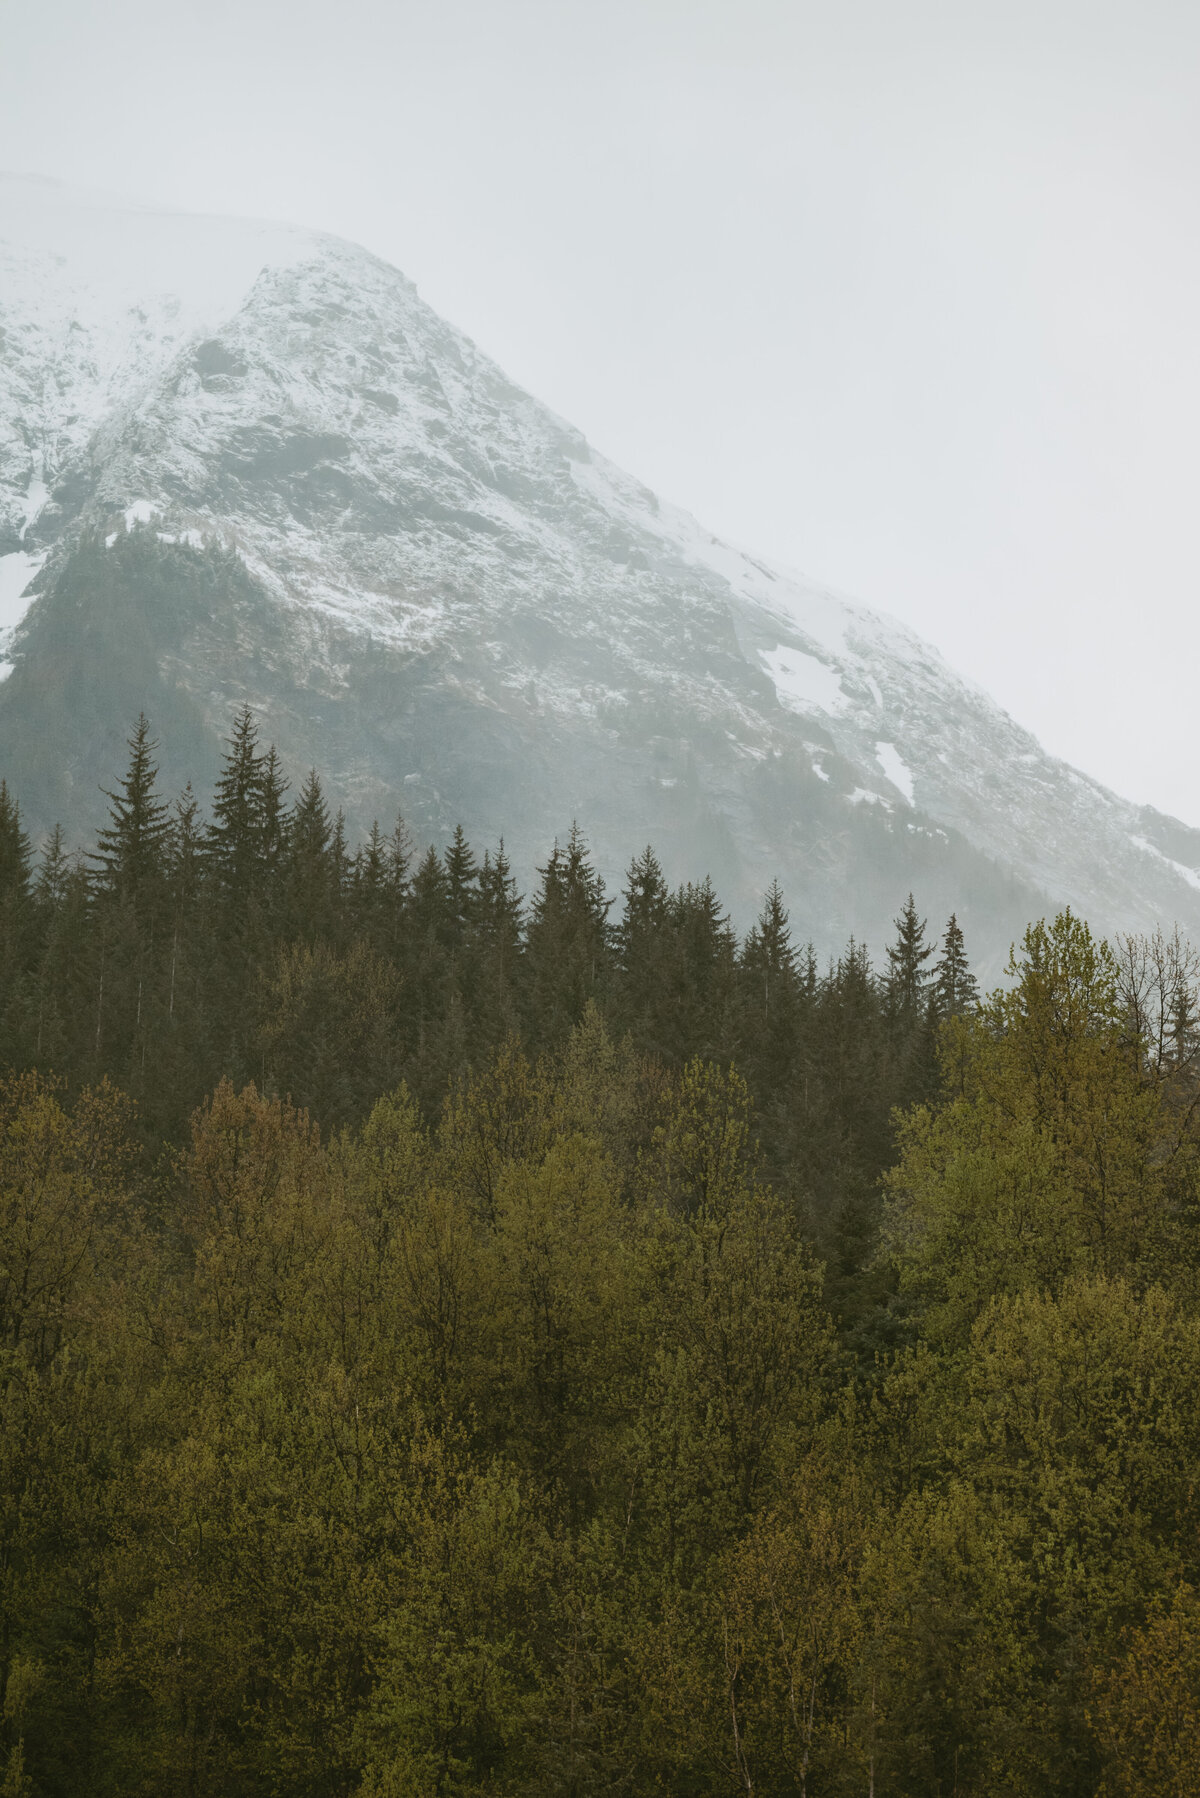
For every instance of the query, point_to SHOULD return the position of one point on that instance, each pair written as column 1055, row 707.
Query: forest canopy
column 453, row 1344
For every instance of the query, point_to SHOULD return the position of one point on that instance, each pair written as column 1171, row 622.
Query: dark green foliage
column 14, row 851
column 311, row 878
column 568, row 945
column 909, row 979
column 166, row 972
column 955, row 990
column 130, row 852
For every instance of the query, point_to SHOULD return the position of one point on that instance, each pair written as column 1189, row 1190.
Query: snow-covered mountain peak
column 109, row 254
column 442, row 594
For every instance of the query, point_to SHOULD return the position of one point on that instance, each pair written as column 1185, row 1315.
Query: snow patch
column 802, row 682
column 36, row 495
column 140, row 512
column 896, row 769
column 863, row 796
column 1184, row 872
column 16, row 572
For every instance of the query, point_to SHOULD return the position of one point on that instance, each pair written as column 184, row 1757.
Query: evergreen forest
column 458, row 1342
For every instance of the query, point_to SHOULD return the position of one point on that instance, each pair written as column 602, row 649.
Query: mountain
column 243, row 462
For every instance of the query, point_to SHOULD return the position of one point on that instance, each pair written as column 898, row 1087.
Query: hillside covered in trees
column 459, row 1344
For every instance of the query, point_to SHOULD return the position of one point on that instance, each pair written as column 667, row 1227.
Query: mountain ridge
column 448, row 600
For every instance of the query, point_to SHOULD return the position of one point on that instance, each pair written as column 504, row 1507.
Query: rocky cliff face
column 240, row 462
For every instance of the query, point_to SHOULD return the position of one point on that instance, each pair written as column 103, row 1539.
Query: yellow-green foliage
column 517, row 1454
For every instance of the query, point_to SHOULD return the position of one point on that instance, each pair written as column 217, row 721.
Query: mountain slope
column 245, row 462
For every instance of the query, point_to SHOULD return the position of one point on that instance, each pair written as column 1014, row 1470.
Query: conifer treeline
column 257, row 944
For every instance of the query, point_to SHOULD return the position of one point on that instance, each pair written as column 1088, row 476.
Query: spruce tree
column 131, row 848
column 908, row 979
column 955, row 990
column 367, row 886
column 498, row 913
column 14, row 852
column 235, row 843
column 399, row 861
column 16, row 921
column 494, row 953
column 309, row 878
column 339, row 868
column 430, row 915
column 433, row 1005
column 462, row 877
column 768, row 958
column 771, row 1002
column 54, row 866
column 185, row 853
column 568, row 947
column 398, row 886
column 703, row 971
column 637, row 940
column 642, row 945
column 274, row 831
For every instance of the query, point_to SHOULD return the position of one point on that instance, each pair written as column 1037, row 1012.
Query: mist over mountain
column 243, row 462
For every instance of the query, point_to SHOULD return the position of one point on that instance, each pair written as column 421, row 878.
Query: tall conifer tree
column 462, row 876
column 235, row 842
column 310, row 871
column 909, row 979
column 14, row 851
column 132, row 847
column 955, row 989
column 568, row 948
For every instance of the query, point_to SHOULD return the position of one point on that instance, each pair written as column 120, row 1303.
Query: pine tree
column 368, row 887
column 309, row 903
column 567, row 949
column 14, row 853
column 908, row 980
column 772, row 1002
column 703, row 970
column 643, row 918
column 493, row 960
column 185, row 854
column 767, row 954
column 235, row 844
column 339, row 866
column 429, row 905
column 955, row 989
column 498, row 913
column 131, row 849
column 433, row 1006
column 16, row 924
column 65, row 1011
column 54, row 866
column 399, row 861
column 642, row 952
column 462, row 876
column 274, row 830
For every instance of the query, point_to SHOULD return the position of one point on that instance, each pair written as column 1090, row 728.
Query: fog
column 904, row 295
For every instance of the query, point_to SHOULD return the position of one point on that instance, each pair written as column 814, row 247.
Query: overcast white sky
column 904, row 294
